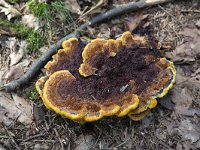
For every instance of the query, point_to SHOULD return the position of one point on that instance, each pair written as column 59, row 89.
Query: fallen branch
column 35, row 68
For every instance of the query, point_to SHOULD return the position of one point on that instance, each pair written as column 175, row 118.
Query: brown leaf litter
column 17, row 49
column 187, row 128
column 13, row 50
column 184, row 98
column 13, row 109
column 132, row 21
column 30, row 21
column 16, row 71
column 9, row 10
column 75, row 8
column 85, row 142
column 189, row 51
column 185, row 94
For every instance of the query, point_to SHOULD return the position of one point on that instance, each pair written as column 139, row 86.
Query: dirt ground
column 173, row 124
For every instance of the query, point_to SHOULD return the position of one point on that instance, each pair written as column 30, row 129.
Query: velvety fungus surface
column 85, row 82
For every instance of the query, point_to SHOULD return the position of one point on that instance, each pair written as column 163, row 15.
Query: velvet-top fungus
column 86, row 82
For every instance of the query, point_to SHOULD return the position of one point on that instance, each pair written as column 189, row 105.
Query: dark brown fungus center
column 112, row 79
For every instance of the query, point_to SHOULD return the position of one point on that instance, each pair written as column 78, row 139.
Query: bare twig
column 32, row 137
column 120, row 10
column 190, row 11
column 4, row 137
column 117, row 146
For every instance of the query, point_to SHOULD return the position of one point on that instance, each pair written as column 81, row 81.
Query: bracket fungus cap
column 86, row 82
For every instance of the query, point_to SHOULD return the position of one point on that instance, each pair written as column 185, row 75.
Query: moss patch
column 52, row 15
column 38, row 9
column 35, row 40
column 32, row 94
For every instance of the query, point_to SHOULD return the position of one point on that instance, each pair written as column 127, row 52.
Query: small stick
column 35, row 68
column 32, row 137
column 189, row 11
column 117, row 146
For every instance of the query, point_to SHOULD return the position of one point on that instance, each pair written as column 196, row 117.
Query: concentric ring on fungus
column 86, row 82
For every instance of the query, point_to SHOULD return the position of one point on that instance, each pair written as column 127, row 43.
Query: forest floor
column 29, row 28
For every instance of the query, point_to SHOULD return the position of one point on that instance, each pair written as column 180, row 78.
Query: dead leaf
column 84, row 142
column 190, row 81
column 184, row 94
column 94, row 9
column 75, row 8
column 8, row 10
column 16, row 71
column 43, row 49
column 17, row 49
column 14, row 108
column 30, row 21
column 104, row 32
column 182, row 98
column 189, row 51
column 196, row 76
column 132, row 22
column 186, row 145
column 191, row 112
column 189, row 130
